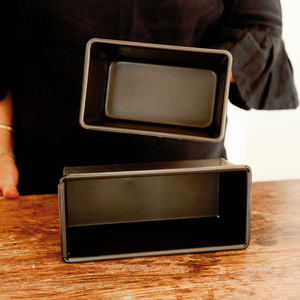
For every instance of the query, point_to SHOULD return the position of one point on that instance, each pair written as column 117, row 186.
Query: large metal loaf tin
column 158, row 90
column 123, row 211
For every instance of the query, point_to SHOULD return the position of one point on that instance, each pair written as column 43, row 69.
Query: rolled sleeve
column 262, row 70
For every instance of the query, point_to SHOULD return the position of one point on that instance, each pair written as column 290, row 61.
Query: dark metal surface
column 191, row 206
column 158, row 90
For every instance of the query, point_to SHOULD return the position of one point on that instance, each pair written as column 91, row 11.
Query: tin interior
column 160, row 94
column 142, row 199
column 153, row 91
column 123, row 228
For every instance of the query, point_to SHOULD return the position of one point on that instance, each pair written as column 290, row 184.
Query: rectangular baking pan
column 123, row 211
column 158, row 90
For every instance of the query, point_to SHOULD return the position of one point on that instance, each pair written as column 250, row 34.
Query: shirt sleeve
column 10, row 34
column 251, row 31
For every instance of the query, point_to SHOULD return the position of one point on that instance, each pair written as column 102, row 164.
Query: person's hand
column 9, row 176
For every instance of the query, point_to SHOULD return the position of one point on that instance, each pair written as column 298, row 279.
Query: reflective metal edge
column 249, row 202
column 119, row 174
column 62, row 221
column 84, row 83
column 159, row 253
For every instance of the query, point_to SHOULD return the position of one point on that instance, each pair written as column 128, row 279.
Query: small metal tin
column 134, row 210
column 158, row 90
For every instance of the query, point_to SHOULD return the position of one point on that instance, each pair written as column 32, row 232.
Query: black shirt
column 43, row 62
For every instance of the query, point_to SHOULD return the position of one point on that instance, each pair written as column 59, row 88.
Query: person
column 42, row 68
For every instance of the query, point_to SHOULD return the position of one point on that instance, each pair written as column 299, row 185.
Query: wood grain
column 31, row 265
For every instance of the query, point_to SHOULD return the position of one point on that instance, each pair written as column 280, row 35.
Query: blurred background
column 269, row 141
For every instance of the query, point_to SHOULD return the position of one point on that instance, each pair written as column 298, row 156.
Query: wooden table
column 31, row 265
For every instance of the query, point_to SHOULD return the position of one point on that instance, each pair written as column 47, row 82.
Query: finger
column 9, row 176
column 10, row 192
